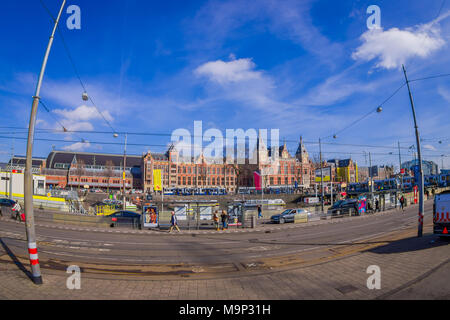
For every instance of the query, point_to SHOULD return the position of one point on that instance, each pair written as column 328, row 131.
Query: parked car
column 11, row 208
column 344, row 207
column 288, row 215
column 124, row 218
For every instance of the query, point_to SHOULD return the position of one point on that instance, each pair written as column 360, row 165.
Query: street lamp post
column 124, row 170
column 11, row 170
column 419, row 155
column 321, row 175
column 371, row 180
column 28, row 176
column 400, row 163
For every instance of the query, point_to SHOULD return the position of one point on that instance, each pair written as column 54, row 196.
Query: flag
column 157, row 186
column 258, row 178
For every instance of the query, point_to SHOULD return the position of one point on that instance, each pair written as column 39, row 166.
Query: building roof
column 21, row 161
column 100, row 159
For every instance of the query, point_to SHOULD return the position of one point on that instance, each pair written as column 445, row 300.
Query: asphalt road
column 217, row 249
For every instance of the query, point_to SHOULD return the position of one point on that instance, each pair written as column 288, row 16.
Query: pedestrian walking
column 216, row 221
column 259, row 212
column 377, row 205
column 174, row 222
column 17, row 211
column 402, row 203
column 224, row 217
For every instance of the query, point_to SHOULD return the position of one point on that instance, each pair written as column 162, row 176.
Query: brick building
column 97, row 170
column 344, row 170
column 281, row 170
column 197, row 173
column 384, row 172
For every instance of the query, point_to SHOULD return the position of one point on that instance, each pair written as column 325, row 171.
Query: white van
column 441, row 214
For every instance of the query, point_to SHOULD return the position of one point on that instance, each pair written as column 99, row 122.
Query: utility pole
column 419, row 155
column 162, row 189
column 123, row 173
column 331, row 183
column 321, row 176
column 28, row 176
column 400, row 163
column 11, row 170
column 371, row 179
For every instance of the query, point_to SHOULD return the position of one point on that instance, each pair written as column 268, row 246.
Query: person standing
column 259, row 212
column 377, row 205
column 224, row 217
column 216, row 221
column 174, row 222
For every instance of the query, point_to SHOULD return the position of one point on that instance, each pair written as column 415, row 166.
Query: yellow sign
column 157, row 185
column 325, row 179
column 123, row 173
column 301, row 218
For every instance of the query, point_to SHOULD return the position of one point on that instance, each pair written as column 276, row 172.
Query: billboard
column 311, row 200
column 326, row 174
column 362, row 204
column 181, row 212
column 157, row 185
column 257, row 177
column 206, row 213
column 150, row 216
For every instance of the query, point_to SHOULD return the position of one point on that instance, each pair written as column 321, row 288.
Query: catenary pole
column 400, row 163
column 371, row 179
column 321, row 175
column 419, row 155
column 11, row 170
column 124, row 172
column 28, row 176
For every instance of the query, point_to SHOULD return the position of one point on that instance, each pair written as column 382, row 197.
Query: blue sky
column 308, row 68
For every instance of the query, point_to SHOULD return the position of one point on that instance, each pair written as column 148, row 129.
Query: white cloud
column 288, row 19
column 232, row 71
column 78, row 146
column 83, row 113
column 444, row 93
column 429, row 147
column 391, row 48
column 79, row 119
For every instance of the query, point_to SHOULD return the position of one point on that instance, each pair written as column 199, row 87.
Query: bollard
column 253, row 224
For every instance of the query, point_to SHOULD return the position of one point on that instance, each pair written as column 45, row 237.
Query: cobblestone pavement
column 407, row 264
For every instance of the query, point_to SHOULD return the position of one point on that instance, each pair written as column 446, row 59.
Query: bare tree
column 108, row 172
column 79, row 171
column 238, row 172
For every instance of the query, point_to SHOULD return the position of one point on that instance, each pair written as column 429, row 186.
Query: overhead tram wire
column 431, row 77
column 75, row 69
column 440, row 9
column 169, row 135
column 164, row 146
column 53, row 131
column 65, row 130
column 371, row 111
column 380, row 105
